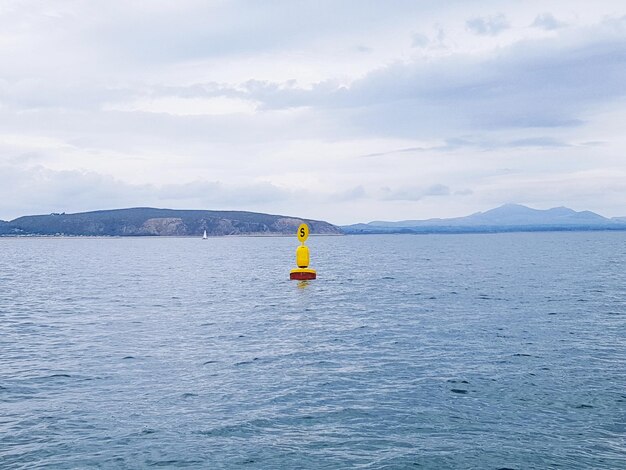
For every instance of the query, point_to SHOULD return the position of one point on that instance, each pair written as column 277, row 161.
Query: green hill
column 146, row 221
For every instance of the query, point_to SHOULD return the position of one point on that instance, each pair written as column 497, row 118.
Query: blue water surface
column 433, row 351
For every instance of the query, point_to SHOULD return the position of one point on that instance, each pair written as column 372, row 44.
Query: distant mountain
column 619, row 219
column 509, row 217
column 146, row 221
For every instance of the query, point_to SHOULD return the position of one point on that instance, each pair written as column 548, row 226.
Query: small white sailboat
column 204, row 237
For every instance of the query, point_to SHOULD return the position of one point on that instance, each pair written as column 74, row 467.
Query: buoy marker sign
column 303, row 232
column 302, row 272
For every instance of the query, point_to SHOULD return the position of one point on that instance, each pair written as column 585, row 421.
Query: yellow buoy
column 302, row 272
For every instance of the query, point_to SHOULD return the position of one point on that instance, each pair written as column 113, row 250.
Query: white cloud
column 488, row 25
column 419, row 40
column 414, row 193
column 547, row 21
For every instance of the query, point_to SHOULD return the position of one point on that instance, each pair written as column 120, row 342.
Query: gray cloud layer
column 250, row 106
column 530, row 84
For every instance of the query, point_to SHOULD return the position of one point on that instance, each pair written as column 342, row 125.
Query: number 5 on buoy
column 303, row 232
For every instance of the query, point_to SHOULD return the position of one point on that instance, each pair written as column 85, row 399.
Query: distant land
column 146, row 221
column 506, row 218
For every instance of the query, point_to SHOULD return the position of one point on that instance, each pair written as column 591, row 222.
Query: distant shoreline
column 197, row 237
column 477, row 230
column 455, row 231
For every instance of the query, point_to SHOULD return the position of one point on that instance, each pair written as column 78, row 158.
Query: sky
column 344, row 110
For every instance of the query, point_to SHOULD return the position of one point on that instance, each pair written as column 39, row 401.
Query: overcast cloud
column 344, row 111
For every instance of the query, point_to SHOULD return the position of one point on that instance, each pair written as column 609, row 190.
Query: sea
column 481, row 351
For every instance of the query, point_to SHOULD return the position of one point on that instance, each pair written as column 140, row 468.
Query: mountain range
column 147, row 221
column 506, row 218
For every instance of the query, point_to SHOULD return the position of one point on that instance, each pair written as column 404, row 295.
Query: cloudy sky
column 342, row 110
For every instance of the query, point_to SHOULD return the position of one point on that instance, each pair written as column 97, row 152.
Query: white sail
column 204, row 237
